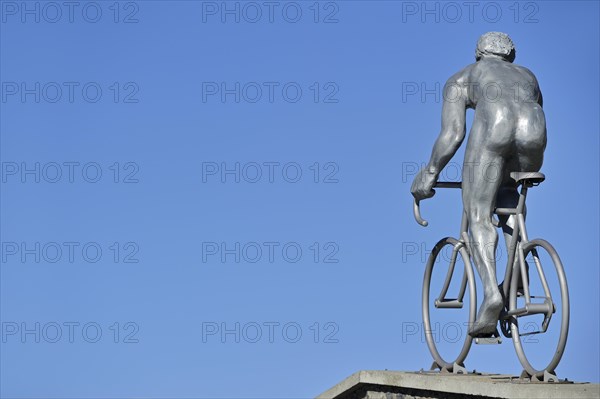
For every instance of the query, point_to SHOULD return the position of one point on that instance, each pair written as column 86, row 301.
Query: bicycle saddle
column 533, row 177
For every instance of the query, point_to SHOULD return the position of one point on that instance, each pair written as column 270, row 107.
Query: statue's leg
column 482, row 178
column 527, row 159
column 508, row 197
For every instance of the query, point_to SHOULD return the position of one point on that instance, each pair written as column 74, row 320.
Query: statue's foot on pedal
column 493, row 338
column 487, row 318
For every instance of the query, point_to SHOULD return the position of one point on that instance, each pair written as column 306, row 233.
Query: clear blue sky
column 161, row 132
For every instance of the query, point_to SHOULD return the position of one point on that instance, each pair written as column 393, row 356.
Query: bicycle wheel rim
column 426, row 303
column 564, row 309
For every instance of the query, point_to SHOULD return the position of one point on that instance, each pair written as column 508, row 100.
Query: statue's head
column 495, row 43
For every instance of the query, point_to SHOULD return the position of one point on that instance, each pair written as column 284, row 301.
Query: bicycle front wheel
column 539, row 300
column 449, row 308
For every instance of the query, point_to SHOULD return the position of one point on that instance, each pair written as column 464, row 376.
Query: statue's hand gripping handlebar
column 417, row 209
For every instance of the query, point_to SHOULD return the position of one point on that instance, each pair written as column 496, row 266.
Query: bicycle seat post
column 522, row 197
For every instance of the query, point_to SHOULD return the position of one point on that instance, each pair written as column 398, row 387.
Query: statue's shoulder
column 462, row 76
column 526, row 75
column 465, row 78
column 524, row 70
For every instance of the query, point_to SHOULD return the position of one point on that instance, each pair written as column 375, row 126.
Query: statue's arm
column 453, row 129
column 449, row 140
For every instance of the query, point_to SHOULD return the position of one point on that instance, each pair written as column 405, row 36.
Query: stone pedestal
column 408, row 385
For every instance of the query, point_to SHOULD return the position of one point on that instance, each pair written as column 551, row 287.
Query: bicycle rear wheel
column 549, row 297
column 450, row 258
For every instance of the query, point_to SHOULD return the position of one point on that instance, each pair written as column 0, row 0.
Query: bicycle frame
column 515, row 289
column 519, row 239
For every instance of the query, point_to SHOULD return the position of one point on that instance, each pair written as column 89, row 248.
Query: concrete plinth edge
column 399, row 384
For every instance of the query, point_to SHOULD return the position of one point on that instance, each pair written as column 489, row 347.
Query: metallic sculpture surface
column 508, row 134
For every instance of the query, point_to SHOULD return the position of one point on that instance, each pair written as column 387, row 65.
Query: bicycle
column 514, row 288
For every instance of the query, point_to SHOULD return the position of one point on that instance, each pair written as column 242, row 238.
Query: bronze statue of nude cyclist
column 508, row 135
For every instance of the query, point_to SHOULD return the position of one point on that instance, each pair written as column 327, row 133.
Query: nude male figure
column 508, row 135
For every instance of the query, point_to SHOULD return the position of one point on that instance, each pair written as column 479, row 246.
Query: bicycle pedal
column 489, row 339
